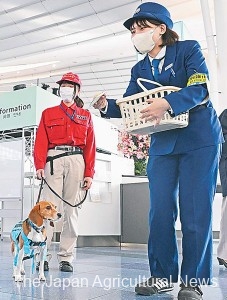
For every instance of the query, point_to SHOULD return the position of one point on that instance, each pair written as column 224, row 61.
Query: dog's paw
column 22, row 272
column 18, row 278
column 42, row 277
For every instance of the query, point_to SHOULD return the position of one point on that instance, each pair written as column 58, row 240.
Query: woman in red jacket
column 67, row 131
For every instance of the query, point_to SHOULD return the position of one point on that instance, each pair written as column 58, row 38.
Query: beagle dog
column 28, row 238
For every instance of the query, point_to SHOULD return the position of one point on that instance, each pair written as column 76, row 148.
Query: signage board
column 22, row 108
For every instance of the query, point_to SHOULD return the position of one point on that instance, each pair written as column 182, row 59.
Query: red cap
column 74, row 78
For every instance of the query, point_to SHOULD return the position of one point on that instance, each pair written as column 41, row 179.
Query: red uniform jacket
column 62, row 125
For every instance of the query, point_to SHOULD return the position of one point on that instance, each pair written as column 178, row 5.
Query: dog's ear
column 35, row 214
column 38, row 206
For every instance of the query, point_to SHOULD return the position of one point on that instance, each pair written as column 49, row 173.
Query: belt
column 68, row 148
column 50, row 159
column 198, row 106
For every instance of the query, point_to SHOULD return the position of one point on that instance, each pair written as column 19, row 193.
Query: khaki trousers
column 68, row 175
column 222, row 246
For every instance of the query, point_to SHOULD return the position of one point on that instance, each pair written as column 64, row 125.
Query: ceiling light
column 25, row 67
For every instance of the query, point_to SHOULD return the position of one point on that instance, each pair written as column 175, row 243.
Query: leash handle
column 40, row 190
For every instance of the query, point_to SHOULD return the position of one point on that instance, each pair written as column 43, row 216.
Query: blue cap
column 151, row 10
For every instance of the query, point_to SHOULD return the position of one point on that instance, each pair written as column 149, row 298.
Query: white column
column 212, row 57
column 220, row 10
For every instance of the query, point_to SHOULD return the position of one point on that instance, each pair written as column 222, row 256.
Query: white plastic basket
column 131, row 106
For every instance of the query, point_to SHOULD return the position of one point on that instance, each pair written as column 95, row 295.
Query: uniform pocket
column 80, row 131
column 56, row 129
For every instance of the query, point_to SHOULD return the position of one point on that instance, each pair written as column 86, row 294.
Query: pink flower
column 140, row 155
column 133, row 146
column 140, row 145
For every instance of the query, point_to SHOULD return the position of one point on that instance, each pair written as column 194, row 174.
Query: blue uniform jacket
column 182, row 60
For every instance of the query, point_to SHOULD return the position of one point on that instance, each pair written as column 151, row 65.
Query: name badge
column 81, row 117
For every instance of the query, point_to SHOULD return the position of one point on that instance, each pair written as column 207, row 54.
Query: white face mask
column 144, row 41
column 66, row 93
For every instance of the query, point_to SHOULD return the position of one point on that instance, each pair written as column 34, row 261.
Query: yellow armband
column 197, row 78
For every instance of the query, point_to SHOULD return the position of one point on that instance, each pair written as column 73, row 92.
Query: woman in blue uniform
column 183, row 163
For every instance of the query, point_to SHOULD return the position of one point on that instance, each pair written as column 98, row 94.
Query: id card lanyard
column 70, row 116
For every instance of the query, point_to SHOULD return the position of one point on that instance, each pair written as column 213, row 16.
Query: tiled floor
column 102, row 273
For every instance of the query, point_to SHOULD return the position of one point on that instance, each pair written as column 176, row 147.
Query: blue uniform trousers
column 187, row 179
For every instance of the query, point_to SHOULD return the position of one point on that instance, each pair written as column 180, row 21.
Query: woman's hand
column 87, row 183
column 40, row 174
column 155, row 111
column 101, row 103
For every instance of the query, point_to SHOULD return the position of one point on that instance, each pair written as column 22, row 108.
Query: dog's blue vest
column 28, row 251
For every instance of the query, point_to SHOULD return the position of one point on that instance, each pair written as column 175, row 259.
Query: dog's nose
column 59, row 215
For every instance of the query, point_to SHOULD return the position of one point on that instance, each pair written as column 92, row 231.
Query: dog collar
column 34, row 226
